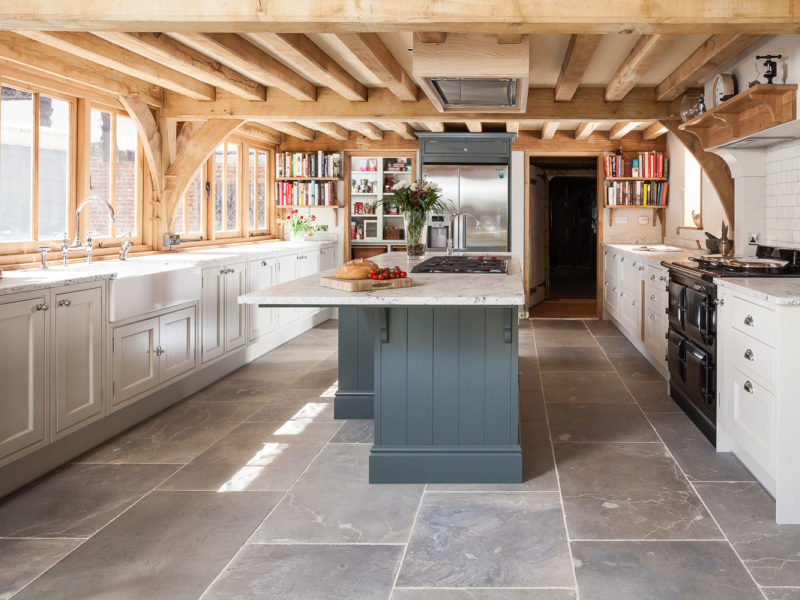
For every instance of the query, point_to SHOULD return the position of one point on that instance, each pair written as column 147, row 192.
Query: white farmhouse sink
column 657, row 248
column 140, row 288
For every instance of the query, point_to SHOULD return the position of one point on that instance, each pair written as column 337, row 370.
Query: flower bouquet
column 299, row 225
column 415, row 200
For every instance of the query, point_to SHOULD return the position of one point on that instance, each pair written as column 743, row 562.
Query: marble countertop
column 429, row 289
column 30, row 280
column 654, row 258
column 775, row 290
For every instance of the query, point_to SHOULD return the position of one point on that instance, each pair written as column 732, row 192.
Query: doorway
column 563, row 236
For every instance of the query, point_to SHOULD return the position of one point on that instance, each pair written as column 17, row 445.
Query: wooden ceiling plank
column 172, row 53
column 368, row 130
column 549, row 130
column 333, row 130
column 654, row 131
column 256, row 63
column 373, row 53
column 639, row 61
column 24, row 51
column 474, row 126
column 621, row 129
column 110, row 55
column 712, row 53
column 579, row 52
column 584, row 130
column 293, row 129
column 431, row 37
column 404, row 130
column 298, row 49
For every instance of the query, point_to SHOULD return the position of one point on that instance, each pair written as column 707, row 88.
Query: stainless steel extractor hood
column 462, row 92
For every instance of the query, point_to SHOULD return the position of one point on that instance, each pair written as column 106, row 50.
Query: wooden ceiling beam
column 106, row 54
column 150, row 138
column 431, row 37
column 404, row 130
column 299, row 50
column 178, row 56
column 474, row 126
column 435, row 127
column 512, row 126
column 375, row 56
column 579, row 52
column 711, row 54
column 654, row 131
column 549, row 130
column 621, row 129
column 584, row 130
column 293, row 129
column 510, row 38
column 260, row 132
column 46, row 59
column 587, row 104
column 246, row 57
column 639, row 61
column 333, row 130
column 368, row 130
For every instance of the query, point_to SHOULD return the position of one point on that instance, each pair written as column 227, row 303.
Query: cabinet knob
column 748, row 354
column 222, row 271
column 66, row 302
column 263, row 263
column 634, row 303
column 160, row 351
column 43, row 306
column 633, row 264
column 622, row 259
column 748, row 320
column 652, row 277
column 652, row 317
column 748, row 387
column 662, row 278
column 653, row 297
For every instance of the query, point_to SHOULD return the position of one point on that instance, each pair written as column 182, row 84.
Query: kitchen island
column 444, row 368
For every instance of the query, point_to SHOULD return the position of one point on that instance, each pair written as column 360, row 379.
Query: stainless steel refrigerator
column 481, row 190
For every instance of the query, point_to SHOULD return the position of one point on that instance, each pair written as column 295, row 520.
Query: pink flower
column 301, row 217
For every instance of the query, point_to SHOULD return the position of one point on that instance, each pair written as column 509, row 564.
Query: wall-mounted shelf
column 755, row 109
column 657, row 213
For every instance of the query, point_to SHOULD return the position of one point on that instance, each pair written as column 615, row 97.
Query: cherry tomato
column 392, row 276
column 403, row 274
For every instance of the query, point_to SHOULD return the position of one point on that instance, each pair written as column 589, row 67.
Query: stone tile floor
column 250, row 489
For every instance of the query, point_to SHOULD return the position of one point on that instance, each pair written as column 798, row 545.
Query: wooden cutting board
column 363, row 285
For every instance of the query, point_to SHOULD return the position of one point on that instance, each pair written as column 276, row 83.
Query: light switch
column 644, row 220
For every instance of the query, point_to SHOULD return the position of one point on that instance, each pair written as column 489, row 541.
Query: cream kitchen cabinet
column 23, row 372
column 260, row 275
column 285, row 271
column 77, row 393
column 150, row 352
column 327, row 258
column 224, row 320
column 307, row 263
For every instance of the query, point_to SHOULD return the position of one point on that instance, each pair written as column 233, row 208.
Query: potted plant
column 299, row 225
column 415, row 200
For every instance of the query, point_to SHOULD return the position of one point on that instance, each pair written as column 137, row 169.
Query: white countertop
column 429, row 289
column 29, row 280
column 775, row 290
column 654, row 258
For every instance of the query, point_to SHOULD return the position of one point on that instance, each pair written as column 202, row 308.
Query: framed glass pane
column 219, row 183
column 178, row 224
column 125, row 177
column 231, row 179
column 251, row 189
column 53, row 173
column 16, row 164
column 261, row 190
column 100, row 173
column 194, row 204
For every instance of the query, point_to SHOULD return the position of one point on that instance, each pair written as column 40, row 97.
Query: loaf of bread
column 358, row 268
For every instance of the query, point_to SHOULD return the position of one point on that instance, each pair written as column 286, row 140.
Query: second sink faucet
column 77, row 242
column 450, row 229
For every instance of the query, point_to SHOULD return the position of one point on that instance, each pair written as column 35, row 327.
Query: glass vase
column 414, row 222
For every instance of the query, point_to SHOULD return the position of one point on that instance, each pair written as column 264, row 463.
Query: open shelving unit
column 310, row 179
column 657, row 209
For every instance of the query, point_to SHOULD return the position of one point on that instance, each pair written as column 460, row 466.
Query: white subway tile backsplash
column 782, row 194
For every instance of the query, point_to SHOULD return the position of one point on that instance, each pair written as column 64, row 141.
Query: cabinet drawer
column 655, row 300
column 631, row 269
column 752, row 357
column 630, row 313
column 611, row 293
column 753, row 420
column 752, row 319
column 656, row 276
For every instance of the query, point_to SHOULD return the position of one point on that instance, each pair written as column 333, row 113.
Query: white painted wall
column 516, row 219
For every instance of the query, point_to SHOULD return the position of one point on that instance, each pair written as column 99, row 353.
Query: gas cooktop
column 462, row 264
column 768, row 262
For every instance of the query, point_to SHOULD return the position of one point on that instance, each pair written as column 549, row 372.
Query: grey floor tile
column 333, row 502
column 558, row 325
column 782, row 593
column 634, row 367
column 527, row 347
column 694, row 453
column 255, row 457
column 528, row 367
column 170, row 545
column 628, row 491
column 538, row 469
column 616, row 345
column 176, row 435
column 296, row 404
column 482, row 594
column 602, row 328
column 77, row 500
column 23, row 560
column 241, row 386
column 531, row 405
column 355, row 431
column 316, row 572
column 661, row 571
column 746, row 514
column 465, row 539
column 573, row 359
column 583, row 388
column 323, row 377
column 652, row 395
column 555, row 338
column 599, row 423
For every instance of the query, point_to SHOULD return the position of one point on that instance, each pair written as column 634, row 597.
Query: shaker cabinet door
column 136, row 363
column 213, row 313
column 176, row 341
column 235, row 313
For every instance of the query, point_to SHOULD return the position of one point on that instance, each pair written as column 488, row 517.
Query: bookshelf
column 309, row 180
column 638, row 180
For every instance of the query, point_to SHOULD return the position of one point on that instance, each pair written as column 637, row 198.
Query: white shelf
column 397, row 172
column 367, row 172
column 362, row 216
column 364, row 194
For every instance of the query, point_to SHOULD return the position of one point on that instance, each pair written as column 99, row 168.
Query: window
column 226, row 188
column 114, row 174
column 35, row 159
column 692, row 191
column 189, row 218
column 257, row 176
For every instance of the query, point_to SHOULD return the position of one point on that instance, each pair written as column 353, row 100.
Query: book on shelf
column 637, row 193
column 308, row 164
column 305, row 193
column 648, row 165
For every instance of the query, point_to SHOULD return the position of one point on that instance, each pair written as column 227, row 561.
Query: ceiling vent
column 473, row 73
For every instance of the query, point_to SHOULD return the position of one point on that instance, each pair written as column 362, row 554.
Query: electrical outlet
column 644, row 220
column 753, row 239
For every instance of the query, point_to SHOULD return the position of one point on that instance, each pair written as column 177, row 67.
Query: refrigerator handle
column 462, row 232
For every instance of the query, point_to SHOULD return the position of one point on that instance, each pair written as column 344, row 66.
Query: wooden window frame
column 198, row 236
column 213, row 234
column 31, row 245
column 269, row 191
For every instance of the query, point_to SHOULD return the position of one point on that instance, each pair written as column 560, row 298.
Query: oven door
column 700, row 376
column 677, row 305
column 699, row 315
column 676, row 355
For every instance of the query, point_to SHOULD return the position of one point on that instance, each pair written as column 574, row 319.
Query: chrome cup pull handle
column 748, row 354
column 748, row 320
column 748, row 387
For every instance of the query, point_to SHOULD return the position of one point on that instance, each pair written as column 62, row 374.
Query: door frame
column 600, row 222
